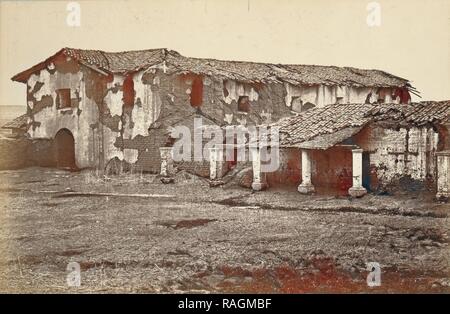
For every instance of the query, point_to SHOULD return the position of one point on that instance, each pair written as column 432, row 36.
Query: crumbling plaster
column 394, row 152
column 400, row 151
column 47, row 120
column 322, row 95
column 104, row 128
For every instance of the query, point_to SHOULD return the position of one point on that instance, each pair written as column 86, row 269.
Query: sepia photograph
column 201, row 147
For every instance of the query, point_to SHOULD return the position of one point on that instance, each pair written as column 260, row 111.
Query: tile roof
column 118, row 62
column 294, row 74
column 326, row 141
column 129, row 61
column 305, row 129
column 18, row 123
column 416, row 113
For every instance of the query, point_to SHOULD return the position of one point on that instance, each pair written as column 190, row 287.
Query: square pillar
column 357, row 190
column 166, row 161
column 214, row 163
column 443, row 174
column 257, row 185
column 306, row 187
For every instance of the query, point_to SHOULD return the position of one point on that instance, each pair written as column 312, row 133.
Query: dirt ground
column 131, row 233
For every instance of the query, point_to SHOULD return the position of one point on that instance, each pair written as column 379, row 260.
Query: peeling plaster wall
column 236, row 89
column 163, row 100
column 403, row 152
column 145, row 126
column 47, row 119
column 322, row 95
column 114, row 95
column 266, row 102
column 105, row 128
column 400, row 159
column 147, row 105
column 95, row 115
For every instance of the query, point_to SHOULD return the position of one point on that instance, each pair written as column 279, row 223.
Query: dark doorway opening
column 65, row 150
column 366, row 170
column 232, row 163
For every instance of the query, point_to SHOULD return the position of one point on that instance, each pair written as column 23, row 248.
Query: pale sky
column 413, row 40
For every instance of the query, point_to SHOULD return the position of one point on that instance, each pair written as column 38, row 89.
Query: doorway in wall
column 366, row 170
column 65, row 150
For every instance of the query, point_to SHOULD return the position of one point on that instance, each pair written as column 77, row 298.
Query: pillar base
column 306, row 188
column 443, row 195
column 357, row 191
column 216, row 182
column 258, row 186
column 167, row 180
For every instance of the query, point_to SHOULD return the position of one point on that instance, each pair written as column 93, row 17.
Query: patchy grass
column 202, row 239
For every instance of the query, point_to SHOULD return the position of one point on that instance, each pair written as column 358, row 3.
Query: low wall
column 21, row 153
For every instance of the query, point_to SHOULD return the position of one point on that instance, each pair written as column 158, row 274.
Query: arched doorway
column 65, row 150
